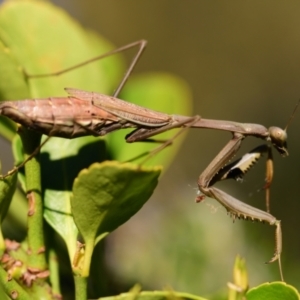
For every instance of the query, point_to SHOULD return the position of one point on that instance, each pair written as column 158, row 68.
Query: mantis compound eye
column 278, row 138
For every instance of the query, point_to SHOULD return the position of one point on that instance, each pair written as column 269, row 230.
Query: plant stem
column 89, row 248
column 80, row 287
column 36, row 242
column 2, row 243
column 12, row 288
column 54, row 272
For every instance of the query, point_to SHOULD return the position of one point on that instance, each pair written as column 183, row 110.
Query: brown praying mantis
column 89, row 113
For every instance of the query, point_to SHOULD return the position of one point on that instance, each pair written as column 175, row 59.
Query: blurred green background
column 242, row 61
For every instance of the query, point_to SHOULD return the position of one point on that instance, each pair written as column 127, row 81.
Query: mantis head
column 278, row 136
column 278, row 139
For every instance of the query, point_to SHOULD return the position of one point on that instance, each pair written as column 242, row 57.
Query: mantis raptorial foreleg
column 218, row 170
column 237, row 169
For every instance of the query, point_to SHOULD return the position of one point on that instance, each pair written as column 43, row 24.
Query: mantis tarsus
column 96, row 114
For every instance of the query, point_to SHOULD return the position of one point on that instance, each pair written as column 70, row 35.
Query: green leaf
column 53, row 48
column 12, row 86
column 7, row 189
column 66, row 43
column 106, row 195
column 18, row 154
column 40, row 48
column 7, row 128
column 154, row 295
column 74, row 155
column 12, row 80
column 58, row 215
column 72, row 147
column 275, row 291
column 240, row 284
